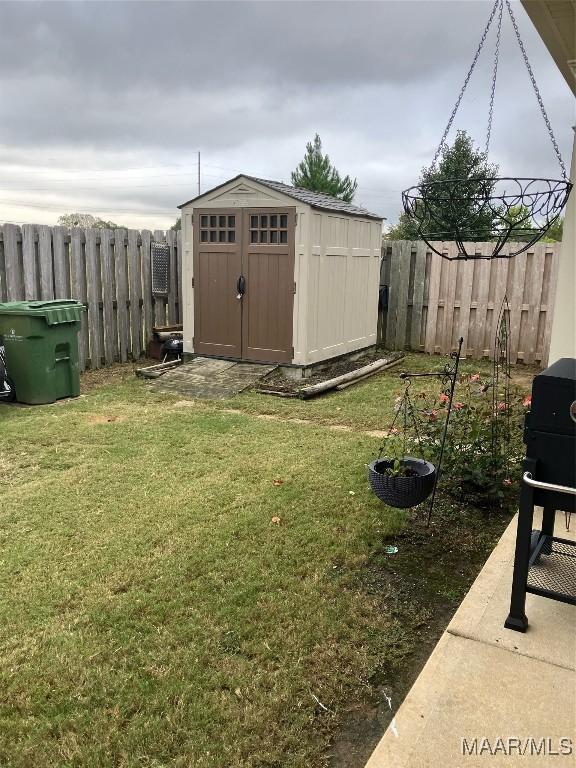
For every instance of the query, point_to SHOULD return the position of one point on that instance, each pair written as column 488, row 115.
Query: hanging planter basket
column 402, row 491
column 437, row 209
column 509, row 213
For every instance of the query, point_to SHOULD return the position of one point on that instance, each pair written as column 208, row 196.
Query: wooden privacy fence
column 433, row 301
column 107, row 270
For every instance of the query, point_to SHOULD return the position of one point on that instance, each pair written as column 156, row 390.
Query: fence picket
column 29, row 262
column 110, row 336
column 465, row 301
column 148, row 308
column 13, row 265
column 516, row 304
column 534, row 304
column 433, row 294
column 45, row 262
column 418, row 296
column 93, row 295
column 121, row 266
column 78, row 290
column 61, row 266
column 135, row 287
column 171, row 240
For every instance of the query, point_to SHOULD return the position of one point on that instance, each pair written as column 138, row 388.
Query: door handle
column 240, row 287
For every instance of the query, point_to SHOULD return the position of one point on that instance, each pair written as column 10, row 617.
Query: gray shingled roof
column 314, row 199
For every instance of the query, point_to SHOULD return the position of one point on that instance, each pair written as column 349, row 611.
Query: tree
column 177, row 226
column 317, row 173
column 554, row 234
column 84, row 220
column 465, row 213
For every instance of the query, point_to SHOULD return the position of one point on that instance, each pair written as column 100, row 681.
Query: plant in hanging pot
column 401, row 482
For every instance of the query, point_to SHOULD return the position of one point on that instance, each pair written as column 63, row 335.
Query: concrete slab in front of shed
column 208, row 379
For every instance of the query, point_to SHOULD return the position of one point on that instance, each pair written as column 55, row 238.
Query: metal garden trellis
column 521, row 209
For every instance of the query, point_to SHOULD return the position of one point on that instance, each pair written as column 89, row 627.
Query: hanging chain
column 461, row 94
column 494, row 76
column 536, row 91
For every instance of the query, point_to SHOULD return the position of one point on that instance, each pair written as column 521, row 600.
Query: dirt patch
column 278, row 382
column 98, row 419
column 420, row 588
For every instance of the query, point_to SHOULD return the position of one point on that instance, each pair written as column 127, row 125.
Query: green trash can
column 41, row 348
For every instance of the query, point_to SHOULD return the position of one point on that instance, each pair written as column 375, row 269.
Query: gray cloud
column 128, row 85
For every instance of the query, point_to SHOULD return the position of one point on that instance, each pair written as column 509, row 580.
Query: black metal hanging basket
column 511, row 213
column 402, row 491
column 500, row 210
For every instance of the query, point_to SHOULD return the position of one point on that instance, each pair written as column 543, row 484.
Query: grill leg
column 517, row 619
column 548, row 518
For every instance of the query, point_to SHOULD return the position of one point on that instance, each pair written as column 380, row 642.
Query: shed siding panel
column 342, row 301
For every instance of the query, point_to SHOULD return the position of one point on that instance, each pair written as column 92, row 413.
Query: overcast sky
column 103, row 106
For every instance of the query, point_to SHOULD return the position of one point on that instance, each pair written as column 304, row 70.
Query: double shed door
column 244, row 283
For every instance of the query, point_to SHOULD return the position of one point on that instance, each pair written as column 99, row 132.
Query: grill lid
column 553, row 406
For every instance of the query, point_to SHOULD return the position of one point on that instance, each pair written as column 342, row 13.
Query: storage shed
column 273, row 273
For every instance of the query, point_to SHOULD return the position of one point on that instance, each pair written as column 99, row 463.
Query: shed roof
column 313, row 199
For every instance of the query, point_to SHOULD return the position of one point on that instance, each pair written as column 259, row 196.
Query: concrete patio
column 483, row 682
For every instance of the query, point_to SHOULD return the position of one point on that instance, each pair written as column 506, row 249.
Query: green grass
column 152, row 614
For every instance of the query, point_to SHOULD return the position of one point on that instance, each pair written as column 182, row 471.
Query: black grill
column 545, row 564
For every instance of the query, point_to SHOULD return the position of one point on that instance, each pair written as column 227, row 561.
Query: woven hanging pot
column 401, row 491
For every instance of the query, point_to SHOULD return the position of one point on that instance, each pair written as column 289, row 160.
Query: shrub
column 484, row 450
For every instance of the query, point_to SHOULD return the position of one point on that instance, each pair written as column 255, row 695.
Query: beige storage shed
column 273, row 273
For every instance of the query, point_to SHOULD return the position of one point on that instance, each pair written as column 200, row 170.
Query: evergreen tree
column 465, row 212
column 317, row 173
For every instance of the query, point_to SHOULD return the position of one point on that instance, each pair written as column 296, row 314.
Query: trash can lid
column 54, row 311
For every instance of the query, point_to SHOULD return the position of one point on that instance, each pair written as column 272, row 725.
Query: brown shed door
column 257, row 245
column 268, row 263
column 217, row 266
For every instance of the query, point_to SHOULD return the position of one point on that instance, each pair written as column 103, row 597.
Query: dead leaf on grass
column 277, row 482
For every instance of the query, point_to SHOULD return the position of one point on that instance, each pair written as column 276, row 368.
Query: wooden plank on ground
column 148, row 307
column 61, row 268
column 418, row 296
column 93, row 293
column 31, row 291
column 135, row 286
column 78, row 289
column 110, row 338
column 45, row 263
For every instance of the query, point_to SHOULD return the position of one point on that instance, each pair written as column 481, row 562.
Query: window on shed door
column 269, row 228
column 217, row 228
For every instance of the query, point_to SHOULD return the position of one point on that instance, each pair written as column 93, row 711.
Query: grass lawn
column 153, row 614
